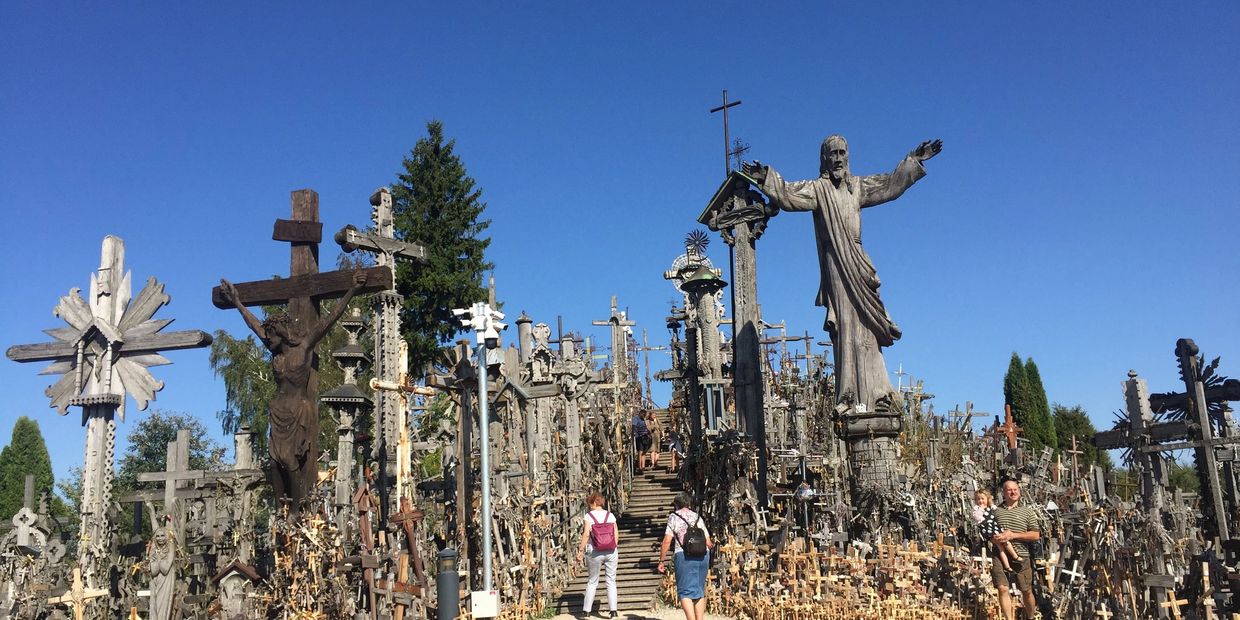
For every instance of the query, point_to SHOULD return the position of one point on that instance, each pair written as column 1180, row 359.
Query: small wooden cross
column 78, row 595
column 1207, row 592
column 1174, row 604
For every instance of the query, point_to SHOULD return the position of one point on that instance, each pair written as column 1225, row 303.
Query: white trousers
column 595, row 561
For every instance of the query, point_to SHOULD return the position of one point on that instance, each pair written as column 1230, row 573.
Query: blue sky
column 1083, row 211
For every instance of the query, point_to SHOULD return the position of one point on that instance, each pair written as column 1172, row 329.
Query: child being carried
column 988, row 526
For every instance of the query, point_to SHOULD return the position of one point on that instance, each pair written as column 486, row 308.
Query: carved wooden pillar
column 740, row 214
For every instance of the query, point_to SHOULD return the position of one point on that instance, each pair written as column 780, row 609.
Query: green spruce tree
column 437, row 204
column 1041, row 406
column 25, row 455
column 1019, row 395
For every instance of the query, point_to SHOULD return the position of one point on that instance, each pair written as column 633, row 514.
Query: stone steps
column 641, row 532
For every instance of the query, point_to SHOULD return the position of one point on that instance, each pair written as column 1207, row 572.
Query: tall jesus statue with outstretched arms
column 856, row 319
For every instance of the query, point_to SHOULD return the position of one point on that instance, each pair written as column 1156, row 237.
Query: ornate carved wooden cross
column 103, row 354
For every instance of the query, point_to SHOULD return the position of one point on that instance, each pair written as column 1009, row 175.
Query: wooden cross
column 1207, row 592
column 1009, row 428
column 406, row 519
column 727, row 155
column 1103, row 612
column 78, row 595
column 176, row 473
column 305, row 286
column 302, row 292
column 383, row 243
column 1174, row 604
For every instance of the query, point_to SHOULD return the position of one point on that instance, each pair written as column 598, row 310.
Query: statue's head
column 279, row 328
column 833, row 159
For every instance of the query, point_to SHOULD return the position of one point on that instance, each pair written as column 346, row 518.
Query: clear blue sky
column 1083, row 211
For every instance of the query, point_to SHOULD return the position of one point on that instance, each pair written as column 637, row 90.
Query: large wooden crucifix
column 291, row 338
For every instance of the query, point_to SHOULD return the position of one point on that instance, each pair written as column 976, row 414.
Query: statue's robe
column 856, row 318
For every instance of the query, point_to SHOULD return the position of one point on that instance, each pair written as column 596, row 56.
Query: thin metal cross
column 727, row 155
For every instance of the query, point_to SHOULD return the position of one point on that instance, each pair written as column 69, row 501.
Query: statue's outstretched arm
column 230, row 295
column 320, row 330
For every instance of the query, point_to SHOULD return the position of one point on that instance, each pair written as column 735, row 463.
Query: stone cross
column 301, row 292
column 78, row 595
column 103, row 354
column 390, row 361
column 24, row 520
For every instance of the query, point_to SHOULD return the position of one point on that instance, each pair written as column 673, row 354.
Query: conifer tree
column 436, row 203
column 1019, row 394
column 1041, row 406
column 26, row 454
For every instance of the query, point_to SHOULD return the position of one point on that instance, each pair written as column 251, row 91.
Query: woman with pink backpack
column 599, row 538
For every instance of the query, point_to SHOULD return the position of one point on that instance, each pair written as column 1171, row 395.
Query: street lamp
column 485, row 321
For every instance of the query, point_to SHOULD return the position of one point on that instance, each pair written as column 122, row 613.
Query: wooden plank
column 1159, row 581
column 1109, row 440
column 332, row 284
column 47, row 351
column 297, row 231
column 160, row 476
column 157, row 495
column 543, row 390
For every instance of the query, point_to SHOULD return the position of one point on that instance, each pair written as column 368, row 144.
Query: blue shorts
column 691, row 576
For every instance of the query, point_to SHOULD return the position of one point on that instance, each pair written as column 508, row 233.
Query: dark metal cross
column 727, row 140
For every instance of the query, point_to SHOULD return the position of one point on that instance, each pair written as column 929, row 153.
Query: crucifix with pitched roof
column 292, row 337
column 103, row 354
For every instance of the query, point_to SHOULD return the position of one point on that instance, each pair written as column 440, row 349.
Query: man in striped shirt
column 1021, row 525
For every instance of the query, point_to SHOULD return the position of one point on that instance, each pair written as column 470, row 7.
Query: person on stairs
column 641, row 440
column 692, row 559
column 656, row 437
column 600, row 541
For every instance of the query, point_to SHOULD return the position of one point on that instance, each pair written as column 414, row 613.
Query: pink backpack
column 602, row 535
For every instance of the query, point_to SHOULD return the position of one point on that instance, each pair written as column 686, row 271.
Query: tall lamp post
column 485, row 321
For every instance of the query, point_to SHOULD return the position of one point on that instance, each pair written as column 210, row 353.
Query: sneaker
column 612, row 614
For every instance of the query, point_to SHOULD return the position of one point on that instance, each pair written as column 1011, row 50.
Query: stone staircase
column 641, row 532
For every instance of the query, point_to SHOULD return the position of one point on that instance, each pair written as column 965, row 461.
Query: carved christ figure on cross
column 293, row 415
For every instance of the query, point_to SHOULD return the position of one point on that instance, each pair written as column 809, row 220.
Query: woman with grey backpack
column 692, row 540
